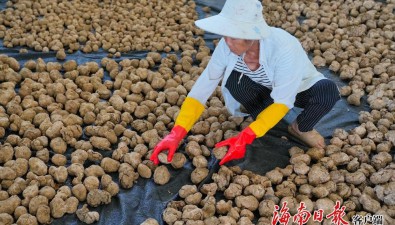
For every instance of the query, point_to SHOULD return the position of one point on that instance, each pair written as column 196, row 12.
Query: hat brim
column 224, row 26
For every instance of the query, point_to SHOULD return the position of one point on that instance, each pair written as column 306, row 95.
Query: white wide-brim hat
column 241, row 19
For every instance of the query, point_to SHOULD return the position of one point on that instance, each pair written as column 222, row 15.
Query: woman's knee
column 328, row 93
column 332, row 90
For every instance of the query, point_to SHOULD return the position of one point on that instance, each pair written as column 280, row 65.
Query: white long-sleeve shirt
column 284, row 59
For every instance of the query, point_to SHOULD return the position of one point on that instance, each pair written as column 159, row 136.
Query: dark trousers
column 316, row 101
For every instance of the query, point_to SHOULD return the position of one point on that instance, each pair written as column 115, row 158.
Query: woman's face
column 238, row 46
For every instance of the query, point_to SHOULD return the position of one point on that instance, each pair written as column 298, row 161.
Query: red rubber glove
column 170, row 142
column 237, row 145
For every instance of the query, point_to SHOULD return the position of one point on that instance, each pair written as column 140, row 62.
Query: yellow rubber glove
column 190, row 112
column 268, row 118
column 264, row 122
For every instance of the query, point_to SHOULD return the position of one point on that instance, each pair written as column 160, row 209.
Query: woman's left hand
column 237, row 145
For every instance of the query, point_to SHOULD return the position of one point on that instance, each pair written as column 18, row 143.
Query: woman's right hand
column 170, row 142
